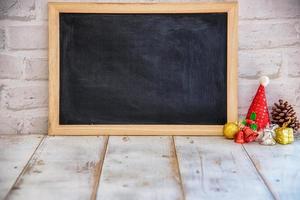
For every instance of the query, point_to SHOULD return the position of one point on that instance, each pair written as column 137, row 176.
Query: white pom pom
column 264, row 80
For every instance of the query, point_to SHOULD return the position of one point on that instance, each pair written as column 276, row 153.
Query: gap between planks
column 100, row 168
column 24, row 169
column 260, row 174
column 177, row 166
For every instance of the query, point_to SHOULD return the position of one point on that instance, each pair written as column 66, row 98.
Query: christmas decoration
column 283, row 112
column 251, row 122
column 259, row 105
column 249, row 134
column 284, row 135
column 266, row 136
column 245, row 135
column 239, row 137
column 230, row 129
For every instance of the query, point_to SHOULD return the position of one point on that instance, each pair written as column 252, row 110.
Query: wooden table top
column 145, row 167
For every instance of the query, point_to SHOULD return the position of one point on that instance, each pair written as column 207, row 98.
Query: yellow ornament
column 284, row 135
column 230, row 129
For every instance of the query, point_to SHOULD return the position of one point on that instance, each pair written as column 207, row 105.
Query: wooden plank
column 122, row 130
column 216, row 168
column 232, row 64
column 53, row 56
column 145, row 7
column 62, row 168
column 15, row 152
column 279, row 166
column 140, row 168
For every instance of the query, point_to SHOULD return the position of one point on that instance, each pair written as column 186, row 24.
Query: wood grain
column 61, row 168
column 140, row 168
column 146, row 168
column 15, row 151
column 192, row 7
column 136, row 130
column 53, row 54
column 232, row 63
column 232, row 40
column 279, row 166
column 216, row 168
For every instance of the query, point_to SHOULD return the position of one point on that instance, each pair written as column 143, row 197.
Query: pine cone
column 283, row 112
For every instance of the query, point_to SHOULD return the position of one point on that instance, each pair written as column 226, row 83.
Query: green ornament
column 253, row 116
column 253, row 127
column 244, row 122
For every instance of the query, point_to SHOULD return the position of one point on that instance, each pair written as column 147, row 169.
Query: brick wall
column 269, row 44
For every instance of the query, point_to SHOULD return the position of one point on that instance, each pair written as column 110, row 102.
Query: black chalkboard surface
column 143, row 68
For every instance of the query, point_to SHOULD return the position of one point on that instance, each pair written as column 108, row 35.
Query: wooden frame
column 232, row 44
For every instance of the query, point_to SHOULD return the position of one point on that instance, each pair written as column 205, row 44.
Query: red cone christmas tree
column 259, row 105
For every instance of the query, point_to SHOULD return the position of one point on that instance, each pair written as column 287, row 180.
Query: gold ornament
column 230, row 129
column 284, row 135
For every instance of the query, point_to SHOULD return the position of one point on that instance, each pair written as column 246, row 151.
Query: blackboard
column 143, row 68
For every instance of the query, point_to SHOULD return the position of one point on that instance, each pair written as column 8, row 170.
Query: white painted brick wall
column 36, row 69
column 18, row 10
column 27, row 37
column 269, row 37
column 26, row 97
column 269, row 9
column 11, row 66
column 293, row 62
column 254, row 63
column 35, row 122
column 11, row 122
column 263, row 34
column 2, row 38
